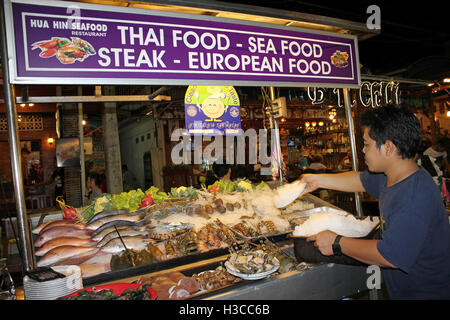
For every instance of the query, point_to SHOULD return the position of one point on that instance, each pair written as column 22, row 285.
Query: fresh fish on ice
column 106, row 213
column 61, row 253
column 62, row 223
column 40, row 227
column 63, row 241
column 128, row 232
column 99, row 234
column 59, row 232
column 120, row 217
column 135, row 243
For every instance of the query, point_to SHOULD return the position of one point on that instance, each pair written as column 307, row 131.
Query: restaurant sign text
column 65, row 42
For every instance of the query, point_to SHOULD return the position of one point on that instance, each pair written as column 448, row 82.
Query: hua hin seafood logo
column 64, row 50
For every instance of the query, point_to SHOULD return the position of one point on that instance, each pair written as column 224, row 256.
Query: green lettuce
column 183, row 192
column 157, row 195
column 128, row 200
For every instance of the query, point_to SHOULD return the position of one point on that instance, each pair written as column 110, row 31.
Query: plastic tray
column 117, row 288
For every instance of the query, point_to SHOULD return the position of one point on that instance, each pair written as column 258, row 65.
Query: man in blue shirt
column 414, row 251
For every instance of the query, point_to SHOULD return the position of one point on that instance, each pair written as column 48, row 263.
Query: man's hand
column 311, row 180
column 323, row 241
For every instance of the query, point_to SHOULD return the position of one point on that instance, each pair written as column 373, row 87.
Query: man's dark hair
column 220, row 169
column 396, row 123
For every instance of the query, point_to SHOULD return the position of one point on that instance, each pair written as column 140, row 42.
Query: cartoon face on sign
column 213, row 106
column 212, row 110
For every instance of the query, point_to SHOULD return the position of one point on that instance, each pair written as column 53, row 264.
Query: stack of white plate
column 53, row 289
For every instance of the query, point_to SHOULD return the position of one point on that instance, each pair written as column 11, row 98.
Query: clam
column 221, row 209
column 229, row 206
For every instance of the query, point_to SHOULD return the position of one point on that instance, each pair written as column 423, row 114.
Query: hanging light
column 314, row 123
column 50, row 140
column 320, row 123
column 307, row 124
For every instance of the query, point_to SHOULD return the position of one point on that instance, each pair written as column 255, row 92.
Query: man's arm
column 346, row 181
column 365, row 251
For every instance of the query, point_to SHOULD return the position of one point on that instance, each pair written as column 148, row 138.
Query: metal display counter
column 320, row 282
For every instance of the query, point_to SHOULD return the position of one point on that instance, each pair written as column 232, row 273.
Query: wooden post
column 113, row 171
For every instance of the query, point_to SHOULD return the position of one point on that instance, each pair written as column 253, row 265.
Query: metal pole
column 277, row 138
column 16, row 161
column 351, row 133
column 81, row 136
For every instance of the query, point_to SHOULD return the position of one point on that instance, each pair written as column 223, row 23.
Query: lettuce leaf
column 157, row 195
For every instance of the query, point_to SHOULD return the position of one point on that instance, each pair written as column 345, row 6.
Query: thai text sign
column 65, row 42
column 212, row 110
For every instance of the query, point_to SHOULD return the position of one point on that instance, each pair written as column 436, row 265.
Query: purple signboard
column 60, row 42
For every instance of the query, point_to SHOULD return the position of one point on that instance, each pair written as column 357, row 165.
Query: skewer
column 128, row 253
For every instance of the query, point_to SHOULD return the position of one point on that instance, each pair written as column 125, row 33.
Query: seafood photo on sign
column 339, row 59
column 66, row 51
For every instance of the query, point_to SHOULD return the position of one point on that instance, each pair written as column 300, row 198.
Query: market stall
column 186, row 50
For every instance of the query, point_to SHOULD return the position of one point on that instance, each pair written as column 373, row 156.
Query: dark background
column 414, row 35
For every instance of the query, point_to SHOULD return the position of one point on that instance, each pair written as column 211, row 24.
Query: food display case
column 233, row 245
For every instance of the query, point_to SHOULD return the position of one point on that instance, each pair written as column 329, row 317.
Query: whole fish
column 39, row 228
column 59, row 232
column 128, row 232
column 98, row 234
column 122, row 217
column 62, row 223
column 110, row 226
column 133, row 243
column 63, row 241
column 106, row 213
column 78, row 258
column 145, row 210
column 63, row 253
